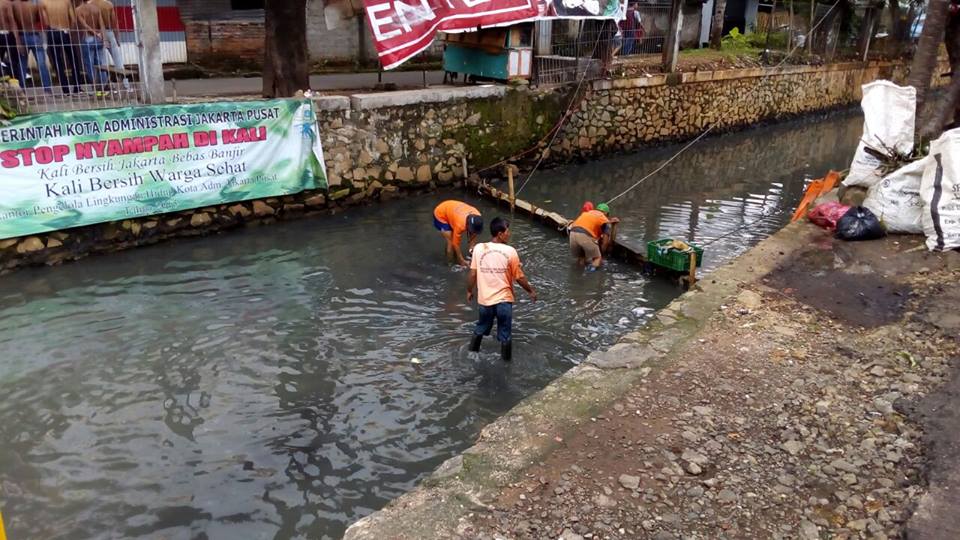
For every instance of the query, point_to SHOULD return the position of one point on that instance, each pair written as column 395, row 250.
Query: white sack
column 940, row 191
column 889, row 117
column 896, row 199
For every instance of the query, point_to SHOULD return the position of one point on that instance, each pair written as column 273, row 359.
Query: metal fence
column 645, row 28
column 568, row 50
column 66, row 55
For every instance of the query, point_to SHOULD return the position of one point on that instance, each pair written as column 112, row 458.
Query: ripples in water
column 259, row 384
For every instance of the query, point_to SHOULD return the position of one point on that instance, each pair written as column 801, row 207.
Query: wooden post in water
column 692, row 276
column 513, row 198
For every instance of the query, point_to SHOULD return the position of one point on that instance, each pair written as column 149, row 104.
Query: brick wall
column 222, row 35
column 217, row 40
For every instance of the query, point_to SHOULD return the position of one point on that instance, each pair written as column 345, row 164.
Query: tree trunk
column 925, row 57
column 285, row 60
column 716, row 30
column 946, row 113
column 866, row 33
column 896, row 28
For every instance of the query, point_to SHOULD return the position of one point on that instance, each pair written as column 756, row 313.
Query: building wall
column 377, row 146
column 218, row 34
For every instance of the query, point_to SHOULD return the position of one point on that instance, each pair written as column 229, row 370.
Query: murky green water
column 259, row 384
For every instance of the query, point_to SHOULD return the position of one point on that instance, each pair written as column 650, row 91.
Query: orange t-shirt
column 497, row 266
column 454, row 214
column 592, row 222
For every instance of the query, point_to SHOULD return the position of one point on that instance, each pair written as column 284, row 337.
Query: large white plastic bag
column 940, row 191
column 889, row 118
column 896, row 199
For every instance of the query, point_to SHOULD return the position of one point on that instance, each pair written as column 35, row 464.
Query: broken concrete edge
column 471, row 481
column 426, row 95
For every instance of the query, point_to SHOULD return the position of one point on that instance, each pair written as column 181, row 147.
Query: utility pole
column 150, row 62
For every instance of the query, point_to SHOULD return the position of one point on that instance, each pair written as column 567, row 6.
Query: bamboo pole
column 513, row 198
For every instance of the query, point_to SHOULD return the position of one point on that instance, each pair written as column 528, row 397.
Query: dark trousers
column 503, row 313
column 65, row 56
column 10, row 56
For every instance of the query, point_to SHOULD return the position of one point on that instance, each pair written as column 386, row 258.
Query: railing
column 570, row 50
column 57, row 56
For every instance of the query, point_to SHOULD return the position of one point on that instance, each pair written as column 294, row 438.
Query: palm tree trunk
column 285, row 62
column 716, row 29
column 925, row 58
column 947, row 112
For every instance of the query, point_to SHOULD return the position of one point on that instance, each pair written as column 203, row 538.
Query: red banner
column 401, row 30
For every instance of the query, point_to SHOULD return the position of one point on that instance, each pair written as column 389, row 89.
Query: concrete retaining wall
column 379, row 146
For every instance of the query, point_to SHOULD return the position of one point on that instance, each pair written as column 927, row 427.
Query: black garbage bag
column 859, row 223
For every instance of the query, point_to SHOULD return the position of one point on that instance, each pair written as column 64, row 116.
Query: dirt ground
column 819, row 404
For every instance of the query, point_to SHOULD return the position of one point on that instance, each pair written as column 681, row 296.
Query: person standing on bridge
column 111, row 31
column 453, row 218
column 590, row 236
column 60, row 19
column 10, row 42
column 27, row 15
column 92, row 28
column 493, row 269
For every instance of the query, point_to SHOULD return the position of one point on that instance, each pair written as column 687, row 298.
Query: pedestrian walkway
column 239, row 86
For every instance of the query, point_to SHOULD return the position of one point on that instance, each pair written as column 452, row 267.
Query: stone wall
column 627, row 114
column 379, row 146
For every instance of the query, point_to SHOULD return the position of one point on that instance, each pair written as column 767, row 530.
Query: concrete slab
column 428, row 95
column 332, row 103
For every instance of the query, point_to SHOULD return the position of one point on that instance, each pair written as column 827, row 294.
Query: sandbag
column 889, row 117
column 940, row 191
column 896, row 199
column 859, row 224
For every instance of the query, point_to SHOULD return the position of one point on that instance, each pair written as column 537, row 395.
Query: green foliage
column 735, row 40
column 7, row 112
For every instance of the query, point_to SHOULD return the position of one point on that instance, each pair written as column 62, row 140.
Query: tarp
column 401, row 30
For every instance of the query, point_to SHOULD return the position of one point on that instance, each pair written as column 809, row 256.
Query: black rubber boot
column 475, row 343
column 506, row 351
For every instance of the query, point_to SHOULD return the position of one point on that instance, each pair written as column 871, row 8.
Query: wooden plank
column 630, row 254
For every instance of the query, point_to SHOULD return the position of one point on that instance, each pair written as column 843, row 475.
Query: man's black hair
column 498, row 225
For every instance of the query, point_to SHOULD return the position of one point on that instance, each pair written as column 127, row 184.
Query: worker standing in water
column 452, row 219
column 493, row 269
column 590, row 236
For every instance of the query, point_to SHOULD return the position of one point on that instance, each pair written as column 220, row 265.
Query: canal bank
column 783, row 397
column 378, row 146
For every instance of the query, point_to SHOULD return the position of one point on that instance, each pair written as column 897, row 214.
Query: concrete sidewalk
column 238, row 86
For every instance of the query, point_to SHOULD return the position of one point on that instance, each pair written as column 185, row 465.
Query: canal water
column 284, row 381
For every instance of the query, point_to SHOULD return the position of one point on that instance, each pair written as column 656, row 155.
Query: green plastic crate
column 673, row 259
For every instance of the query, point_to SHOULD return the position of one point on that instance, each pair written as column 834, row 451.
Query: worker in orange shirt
column 590, row 236
column 452, row 219
column 493, row 269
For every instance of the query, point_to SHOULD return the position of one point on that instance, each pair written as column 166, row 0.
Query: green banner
column 69, row 169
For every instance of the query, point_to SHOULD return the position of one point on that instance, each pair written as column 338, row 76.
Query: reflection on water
column 726, row 192
column 258, row 384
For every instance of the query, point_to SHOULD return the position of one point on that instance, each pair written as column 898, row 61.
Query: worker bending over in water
column 590, row 236
column 452, row 218
column 493, row 269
